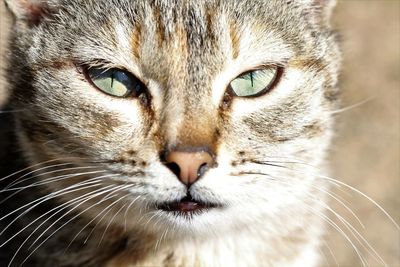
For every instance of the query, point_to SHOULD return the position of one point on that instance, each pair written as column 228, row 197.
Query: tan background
column 366, row 150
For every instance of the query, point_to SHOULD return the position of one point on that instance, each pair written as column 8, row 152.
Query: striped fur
column 186, row 53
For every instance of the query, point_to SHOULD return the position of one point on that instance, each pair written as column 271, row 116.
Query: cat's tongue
column 186, row 206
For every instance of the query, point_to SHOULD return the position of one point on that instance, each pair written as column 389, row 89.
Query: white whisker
column 30, row 167
column 337, row 182
column 73, row 218
column 63, row 206
column 67, row 190
column 331, row 253
column 112, row 219
column 127, row 209
column 50, row 180
column 18, row 181
column 356, row 105
column 86, row 197
column 43, row 199
column 364, row 195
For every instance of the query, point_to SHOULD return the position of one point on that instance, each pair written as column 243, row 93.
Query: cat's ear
column 29, row 11
column 321, row 9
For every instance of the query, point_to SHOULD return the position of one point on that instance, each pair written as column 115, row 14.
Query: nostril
column 174, row 168
column 188, row 166
column 202, row 169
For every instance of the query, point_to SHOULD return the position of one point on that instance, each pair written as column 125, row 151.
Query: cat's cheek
column 123, row 125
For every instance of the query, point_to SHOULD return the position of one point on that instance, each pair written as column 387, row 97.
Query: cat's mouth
column 187, row 206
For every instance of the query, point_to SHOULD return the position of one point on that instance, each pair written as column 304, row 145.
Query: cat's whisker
column 52, row 179
column 331, row 253
column 316, row 169
column 158, row 213
column 340, row 230
column 65, row 205
column 159, row 240
column 335, row 197
column 18, row 181
column 68, row 190
column 85, row 197
column 33, row 166
column 321, row 252
column 86, row 225
column 107, row 210
column 331, row 194
column 268, row 163
column 112, row 219
column 357, row 235
column 127, row 210
column 282, row 160
column 337, row 182
column 47, row 181
column 122, row 187
column 371, row 250
column 353, row 106
column 47, row 197
column 141, row 213
column 330, row 222
column 334, row 225
column 363, row 242
column 113, row 190
column 104, row 199
column 31, row 172
column 151, row 217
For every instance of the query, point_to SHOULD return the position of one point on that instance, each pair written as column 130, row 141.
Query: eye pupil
column 112, row 79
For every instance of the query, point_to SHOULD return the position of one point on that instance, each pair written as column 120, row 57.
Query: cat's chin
column 195, row 223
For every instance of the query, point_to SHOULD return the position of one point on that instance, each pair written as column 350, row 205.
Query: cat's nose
column 188, row 166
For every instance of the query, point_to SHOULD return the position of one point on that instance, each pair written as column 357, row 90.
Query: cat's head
column 200, row 114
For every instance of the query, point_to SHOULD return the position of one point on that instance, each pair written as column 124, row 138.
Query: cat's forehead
column 169, row 39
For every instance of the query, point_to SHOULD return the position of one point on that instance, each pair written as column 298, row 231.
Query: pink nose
column 191, row 164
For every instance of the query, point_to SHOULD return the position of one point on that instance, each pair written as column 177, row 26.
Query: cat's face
column 184, row 57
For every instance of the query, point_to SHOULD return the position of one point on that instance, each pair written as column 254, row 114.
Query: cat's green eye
column 115, row 82
column 255, row 83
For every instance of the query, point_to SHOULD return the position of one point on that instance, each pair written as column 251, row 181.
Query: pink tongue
column 188, row 206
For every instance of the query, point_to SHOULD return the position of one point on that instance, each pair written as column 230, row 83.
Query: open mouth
column 187, row 206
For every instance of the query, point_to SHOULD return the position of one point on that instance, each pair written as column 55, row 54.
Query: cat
column 167, row 133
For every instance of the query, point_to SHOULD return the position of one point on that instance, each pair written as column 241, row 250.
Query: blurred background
column 366, row 150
